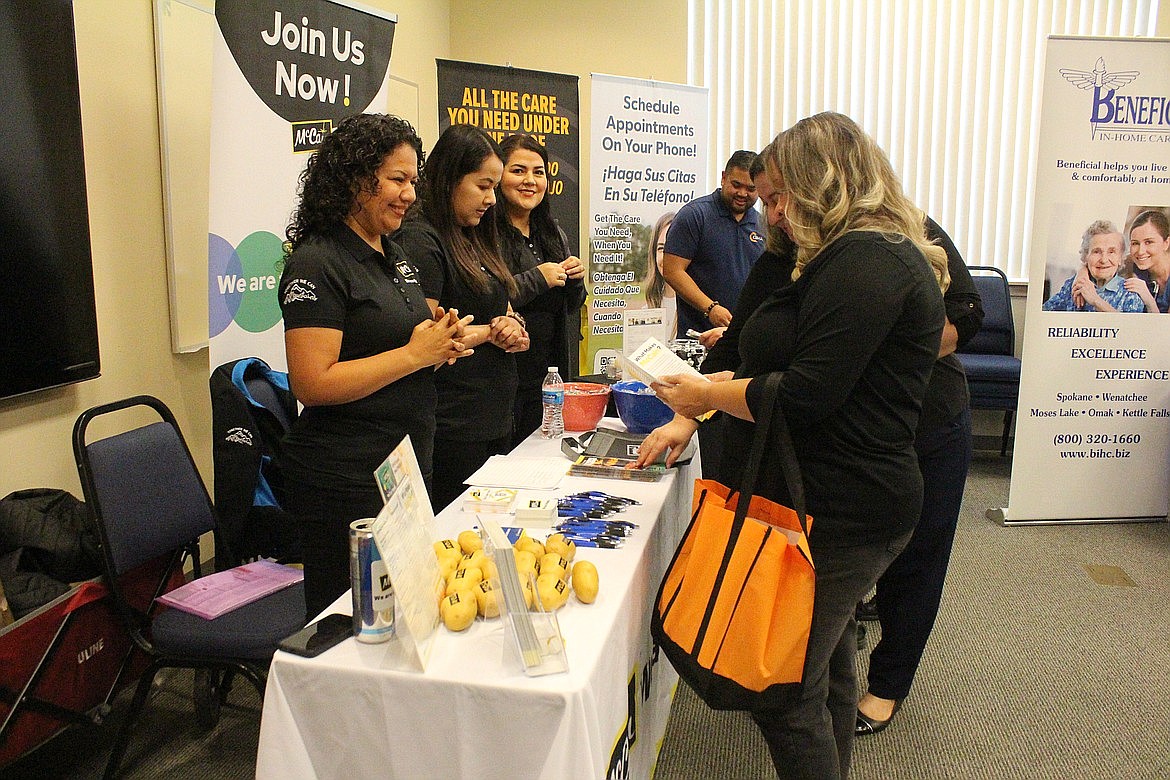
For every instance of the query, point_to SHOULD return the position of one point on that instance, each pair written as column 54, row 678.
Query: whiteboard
column 183, row 35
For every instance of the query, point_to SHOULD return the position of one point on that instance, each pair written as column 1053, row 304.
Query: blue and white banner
column 1093, row 426
column 283, row 73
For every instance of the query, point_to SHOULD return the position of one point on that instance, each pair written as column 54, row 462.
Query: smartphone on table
column 319, row 636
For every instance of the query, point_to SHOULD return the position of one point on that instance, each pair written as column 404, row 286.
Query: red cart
column 63, row 663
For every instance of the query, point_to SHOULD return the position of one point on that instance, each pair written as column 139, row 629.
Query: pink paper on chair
column 219, row 593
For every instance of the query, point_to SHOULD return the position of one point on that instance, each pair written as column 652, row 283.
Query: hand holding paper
column 686, row 395
column 655, row 365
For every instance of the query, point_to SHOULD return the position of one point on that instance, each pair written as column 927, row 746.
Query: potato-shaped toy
column 585, row 581
column 458, row 610
column 444, row 546
column 525, row 561
column 473, row 560
column 533, row 546
column 489, row 569
column 464, row 579
column 553, row 591
column 487, row 599
column 559, row 544
column 554, row 563
column 470, row 541
column 447, row 565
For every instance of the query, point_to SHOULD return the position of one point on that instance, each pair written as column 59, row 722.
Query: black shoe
column 867, row 610
column 867, row 725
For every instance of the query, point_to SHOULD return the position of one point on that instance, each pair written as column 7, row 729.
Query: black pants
column 813, row 738
column 324, row 516
column 455, row 461
column 908, row 594
column 528, row 413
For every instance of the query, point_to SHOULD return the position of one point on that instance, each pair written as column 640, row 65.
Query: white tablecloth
column 354, row 711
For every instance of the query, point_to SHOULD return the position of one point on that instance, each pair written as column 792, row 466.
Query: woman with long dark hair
column 360, row 339
column 549, row 278
column 451, row 236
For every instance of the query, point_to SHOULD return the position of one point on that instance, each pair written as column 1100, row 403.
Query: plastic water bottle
column 552, row 394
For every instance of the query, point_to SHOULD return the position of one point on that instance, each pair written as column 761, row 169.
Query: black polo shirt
column 477, row 393
column 375, row 300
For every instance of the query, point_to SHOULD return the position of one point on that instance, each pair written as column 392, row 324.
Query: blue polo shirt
column 721, row 249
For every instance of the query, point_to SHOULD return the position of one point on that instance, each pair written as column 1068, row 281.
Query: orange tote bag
column 735, row 606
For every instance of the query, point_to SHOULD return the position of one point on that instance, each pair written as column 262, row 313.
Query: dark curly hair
column 345, row 164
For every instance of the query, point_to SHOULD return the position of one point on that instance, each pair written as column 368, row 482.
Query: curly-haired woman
column 360, row 338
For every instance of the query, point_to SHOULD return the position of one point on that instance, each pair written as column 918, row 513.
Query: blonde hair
column 838, row 180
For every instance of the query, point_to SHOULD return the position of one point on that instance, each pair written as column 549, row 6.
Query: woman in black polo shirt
column 549, row 277
column 360, row 338
column 451, row 238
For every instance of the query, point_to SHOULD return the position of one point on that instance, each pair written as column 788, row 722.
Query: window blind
column 950, row 90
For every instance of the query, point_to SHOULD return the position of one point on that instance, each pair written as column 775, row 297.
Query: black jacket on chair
column 251, row 410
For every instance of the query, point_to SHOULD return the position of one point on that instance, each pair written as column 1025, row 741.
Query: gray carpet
column 167, row 743
column 1034, row 671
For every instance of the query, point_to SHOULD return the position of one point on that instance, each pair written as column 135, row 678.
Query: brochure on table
column 537, row 644
column 403, row 531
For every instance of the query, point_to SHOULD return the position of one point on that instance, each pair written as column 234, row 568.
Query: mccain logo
column 308, row 136
column 239, row 436
column 1115, row 116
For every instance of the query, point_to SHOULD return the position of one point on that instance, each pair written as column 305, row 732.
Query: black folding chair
column 148, row 501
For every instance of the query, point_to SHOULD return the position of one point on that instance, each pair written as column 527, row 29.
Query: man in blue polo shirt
column 712, row 245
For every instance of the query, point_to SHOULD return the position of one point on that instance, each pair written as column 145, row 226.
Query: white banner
column 283, row 73
column 1093, row 426
column 648, row 157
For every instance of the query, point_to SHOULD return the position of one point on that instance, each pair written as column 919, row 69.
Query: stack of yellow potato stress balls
column 473, row 580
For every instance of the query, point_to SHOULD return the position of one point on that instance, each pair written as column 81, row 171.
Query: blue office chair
column 149, row 503
column 993, row 370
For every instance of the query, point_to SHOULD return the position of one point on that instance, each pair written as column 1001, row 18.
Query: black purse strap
column 788, row 462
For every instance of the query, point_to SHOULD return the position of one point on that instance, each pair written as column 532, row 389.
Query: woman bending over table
column 855, row 337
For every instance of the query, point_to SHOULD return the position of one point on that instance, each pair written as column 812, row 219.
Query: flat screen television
column 48, row 319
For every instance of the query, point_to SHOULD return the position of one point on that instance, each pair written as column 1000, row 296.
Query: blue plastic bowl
column 641, row 412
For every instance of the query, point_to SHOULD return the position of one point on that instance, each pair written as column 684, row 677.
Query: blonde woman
column 855, row 337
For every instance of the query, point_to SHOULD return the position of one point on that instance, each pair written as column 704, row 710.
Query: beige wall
column 115, row 41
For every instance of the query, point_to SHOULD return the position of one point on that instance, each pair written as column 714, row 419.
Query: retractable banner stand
column 283, row 74
column 1093, row 427
column 546, row 106
column 504, row 101
column 648, row 158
